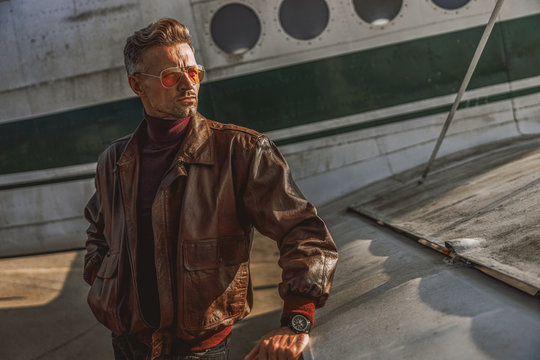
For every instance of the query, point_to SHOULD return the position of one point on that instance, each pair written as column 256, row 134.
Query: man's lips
column 188, row 98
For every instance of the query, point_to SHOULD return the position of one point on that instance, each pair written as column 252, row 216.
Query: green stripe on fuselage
column 407, row 116
column 294, row 95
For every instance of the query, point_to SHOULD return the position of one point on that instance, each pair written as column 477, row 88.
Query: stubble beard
column 185, row 111
column 181, row 111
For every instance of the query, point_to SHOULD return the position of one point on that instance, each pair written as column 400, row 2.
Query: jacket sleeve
column 96, row 246
column 277, row 208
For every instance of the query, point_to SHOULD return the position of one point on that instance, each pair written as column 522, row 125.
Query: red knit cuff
column 298, row 305
column 214, row 340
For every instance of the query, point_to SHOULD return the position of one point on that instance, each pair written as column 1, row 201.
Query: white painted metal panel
column 43, row 218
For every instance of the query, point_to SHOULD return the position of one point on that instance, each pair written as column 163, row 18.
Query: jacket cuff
column 295, row 304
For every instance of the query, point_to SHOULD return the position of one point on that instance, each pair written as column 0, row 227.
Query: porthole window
column 304, row 19
column 451, row 4
column 377, row 12
column 235, row 28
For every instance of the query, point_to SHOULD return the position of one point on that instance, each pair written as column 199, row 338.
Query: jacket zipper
column 172, row 274
column 179, row 277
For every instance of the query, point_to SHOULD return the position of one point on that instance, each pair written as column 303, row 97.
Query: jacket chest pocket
column 215, row 282
column 213, row 253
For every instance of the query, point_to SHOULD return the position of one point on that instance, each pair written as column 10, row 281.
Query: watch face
column 300, row 323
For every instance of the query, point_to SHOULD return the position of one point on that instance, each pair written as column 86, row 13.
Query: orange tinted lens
column 193, row 73
column 170, row 78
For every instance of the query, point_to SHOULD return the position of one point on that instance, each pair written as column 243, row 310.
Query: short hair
column 164, row 32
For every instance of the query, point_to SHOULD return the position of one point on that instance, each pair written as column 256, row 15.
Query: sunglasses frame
column 183, row 70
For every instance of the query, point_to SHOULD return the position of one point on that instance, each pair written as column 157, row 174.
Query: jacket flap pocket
column 234, row 250
column 201, row 254
column 108, row 266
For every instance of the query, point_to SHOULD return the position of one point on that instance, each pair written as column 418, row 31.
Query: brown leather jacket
column 225, row 180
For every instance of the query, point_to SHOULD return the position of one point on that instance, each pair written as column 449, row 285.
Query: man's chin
column 187, row 111
column 175, row 113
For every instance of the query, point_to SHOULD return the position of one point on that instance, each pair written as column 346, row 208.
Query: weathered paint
column 361, row 130
column 296, row 95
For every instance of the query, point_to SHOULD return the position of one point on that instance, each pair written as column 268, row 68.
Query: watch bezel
column 304, row 330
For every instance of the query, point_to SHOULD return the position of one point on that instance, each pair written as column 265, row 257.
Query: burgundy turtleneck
column 162, row 142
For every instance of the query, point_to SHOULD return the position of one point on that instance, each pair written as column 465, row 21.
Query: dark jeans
column 128, row 347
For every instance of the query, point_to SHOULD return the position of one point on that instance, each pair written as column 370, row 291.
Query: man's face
column 166, row 103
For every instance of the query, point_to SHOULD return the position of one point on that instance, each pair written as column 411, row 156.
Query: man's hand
column 280, row 344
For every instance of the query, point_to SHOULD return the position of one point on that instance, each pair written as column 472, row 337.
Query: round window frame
column 370, row 26
column 218, row 50
column 457, row 11
column 288, row 37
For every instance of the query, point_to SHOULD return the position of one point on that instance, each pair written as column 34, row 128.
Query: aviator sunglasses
column 171, row 76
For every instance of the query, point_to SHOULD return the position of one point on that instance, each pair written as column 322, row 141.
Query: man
column 171, row 222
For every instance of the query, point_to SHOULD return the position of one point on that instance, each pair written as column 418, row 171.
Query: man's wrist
column 295, row 304
column 299, row 324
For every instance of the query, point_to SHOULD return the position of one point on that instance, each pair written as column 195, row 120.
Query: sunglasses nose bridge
column 184, row 78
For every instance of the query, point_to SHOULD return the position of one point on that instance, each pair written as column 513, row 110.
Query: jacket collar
column 197, row 146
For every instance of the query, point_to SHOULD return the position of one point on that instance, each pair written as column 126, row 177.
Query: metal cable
column 464, row 84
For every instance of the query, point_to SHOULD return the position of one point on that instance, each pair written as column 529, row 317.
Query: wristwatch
column 299, row 324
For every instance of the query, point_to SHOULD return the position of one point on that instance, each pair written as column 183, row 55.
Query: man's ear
column 135, row 84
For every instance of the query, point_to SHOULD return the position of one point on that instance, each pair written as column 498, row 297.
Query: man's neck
column 162, row 131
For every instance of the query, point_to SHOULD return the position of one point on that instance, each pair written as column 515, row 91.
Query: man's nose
column 185, row 82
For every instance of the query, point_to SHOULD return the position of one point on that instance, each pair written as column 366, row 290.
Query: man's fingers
column 304, row 342
column 274, row 348
column 280, row 344
column 264, row 349
column 253, row 353
column 295, row 345
column 284, row 351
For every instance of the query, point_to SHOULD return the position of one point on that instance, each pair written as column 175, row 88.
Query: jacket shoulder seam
column 234, row 128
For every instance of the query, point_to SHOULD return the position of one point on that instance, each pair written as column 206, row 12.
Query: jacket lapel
column 197, row 148
column 198, row 144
